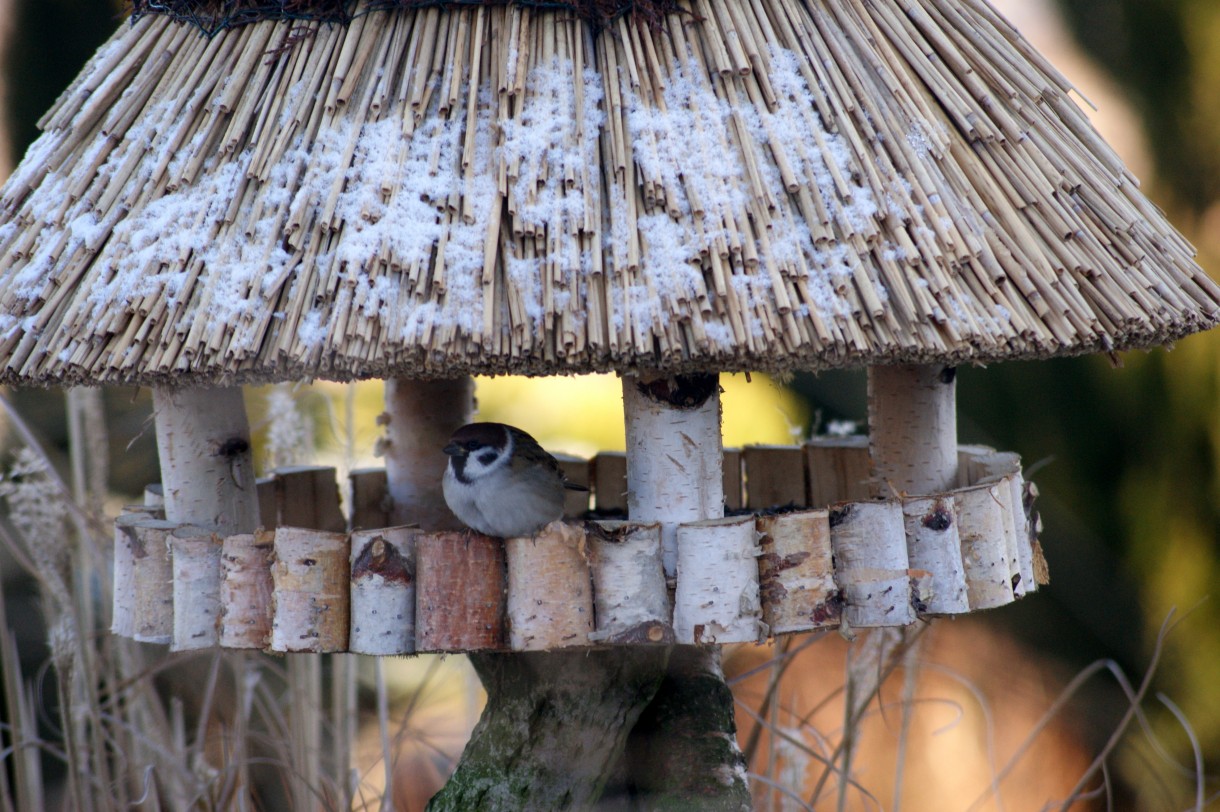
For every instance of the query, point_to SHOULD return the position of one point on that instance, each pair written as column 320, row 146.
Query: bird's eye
column 471, row 445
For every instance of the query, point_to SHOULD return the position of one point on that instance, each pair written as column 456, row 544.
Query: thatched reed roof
column 430, row 192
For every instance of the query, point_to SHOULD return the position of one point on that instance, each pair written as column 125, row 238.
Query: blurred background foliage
column 1127, row 458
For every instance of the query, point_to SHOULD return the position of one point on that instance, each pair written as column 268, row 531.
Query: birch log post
column 195, row 555
column 1004, row 467
column 630, row 600
column 674, row 458
column 459, row 592
column 717, row 599
column 934, row 546
column 245, row 589
column 550, row 599
column 311, row 597
column 142, row 576
column 152, row 579
column 796, row 572
column 383, row 591
column 983, row 529
column 869, row 542
column 207, row 472
column 419, row 418
column 912, row 417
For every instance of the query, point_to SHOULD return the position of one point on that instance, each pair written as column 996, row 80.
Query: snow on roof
column 431, row 192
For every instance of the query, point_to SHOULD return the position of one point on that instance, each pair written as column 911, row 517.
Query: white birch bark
column 1005, row 467
column 912, row 417
column 383, row 591
column 674, row 463
column 933, row 545
column 311, row 596
column 869, row 542
column 550, row 597
column 630, row 600
column 717, row 597
column 796, row 572
column 152, row 577
column 207, row 472
column 125, row 592
column 419, row 418
column 245, row 589
column 983, row 528
column 195, row 554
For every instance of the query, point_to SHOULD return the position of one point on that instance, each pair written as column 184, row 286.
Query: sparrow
column 500, row 482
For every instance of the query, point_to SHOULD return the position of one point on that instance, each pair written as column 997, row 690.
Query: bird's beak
column 453, row 450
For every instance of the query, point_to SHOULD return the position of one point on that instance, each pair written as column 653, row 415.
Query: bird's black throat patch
column 459, row 469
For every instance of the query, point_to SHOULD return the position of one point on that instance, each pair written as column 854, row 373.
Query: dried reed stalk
column 514, row 189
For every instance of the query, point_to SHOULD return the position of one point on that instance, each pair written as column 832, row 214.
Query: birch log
column 195, row 554
column 459, row 592
column 933, row 545
column 311, row 598
column 630, row 600
column 983, row 529
column 912, row 418
column 674, row 460
column 151, row 580
column 246, row 586
column 550, row 598
column 383, row 591
column 207, row 473
column 420, row 416
column 796, row 572
column 128, row 550
column 1005, row 467
column 869, row 542
column 717, row 598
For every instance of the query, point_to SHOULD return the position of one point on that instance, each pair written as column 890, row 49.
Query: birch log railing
column 809, row 549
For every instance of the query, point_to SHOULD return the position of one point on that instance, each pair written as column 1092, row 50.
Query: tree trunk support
column 554, row 726
column 683, row 754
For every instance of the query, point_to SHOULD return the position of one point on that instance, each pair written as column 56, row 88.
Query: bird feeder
column 422, row 191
